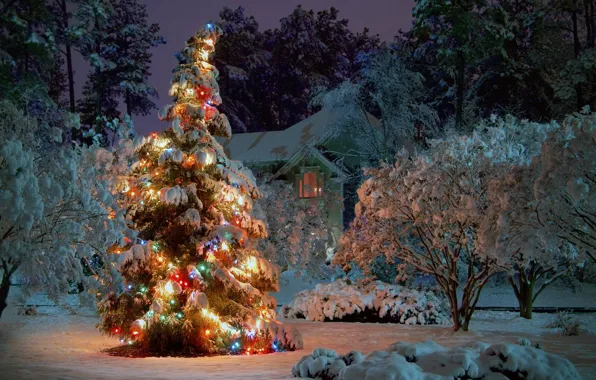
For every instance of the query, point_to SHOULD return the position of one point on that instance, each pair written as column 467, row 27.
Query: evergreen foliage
column 195, row 283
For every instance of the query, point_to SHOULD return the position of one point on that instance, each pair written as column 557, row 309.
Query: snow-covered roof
column 279, row 145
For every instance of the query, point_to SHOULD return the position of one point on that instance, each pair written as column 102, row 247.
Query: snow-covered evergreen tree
column 195, row 282
column 242, row 60
column 385, row 87
column 91, row 32
column 460, row 35
column 27, row 52
column 115, row 38
column 132, row 38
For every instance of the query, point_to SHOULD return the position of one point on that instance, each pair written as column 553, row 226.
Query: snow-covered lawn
column 55, row 344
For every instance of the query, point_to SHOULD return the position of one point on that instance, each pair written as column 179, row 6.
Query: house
column 301, row 155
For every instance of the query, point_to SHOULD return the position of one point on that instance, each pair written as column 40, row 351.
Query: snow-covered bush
column 368, row 302
column 567, row 323
column 428, row 360
column 426, row 210
column 541, row 216
column 55, row 214
column 565, row 188
column 300, row 232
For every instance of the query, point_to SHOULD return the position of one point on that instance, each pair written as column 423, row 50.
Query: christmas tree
column 194, row 283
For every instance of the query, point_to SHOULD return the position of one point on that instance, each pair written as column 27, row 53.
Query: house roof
column 306, row 150
column 279, row 145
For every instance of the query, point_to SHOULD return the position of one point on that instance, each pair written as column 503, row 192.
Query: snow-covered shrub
column 567, row 323
column 372, row 301
column 540, row 220
column 425, row 209
column 430, row 361
column 55, row 212
column 300, row 232
column 587, row 273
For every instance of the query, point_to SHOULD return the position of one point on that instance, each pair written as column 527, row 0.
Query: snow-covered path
column 62, row 346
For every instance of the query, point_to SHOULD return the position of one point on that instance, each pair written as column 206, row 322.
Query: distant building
column 302, row 155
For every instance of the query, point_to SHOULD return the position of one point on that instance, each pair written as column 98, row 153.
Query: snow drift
column 367, row 302
column 428, row 360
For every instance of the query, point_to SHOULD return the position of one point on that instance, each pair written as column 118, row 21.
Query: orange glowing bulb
column 207, row 332
column 160, row 259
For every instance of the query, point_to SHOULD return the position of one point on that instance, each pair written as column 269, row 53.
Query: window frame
column 319, row 179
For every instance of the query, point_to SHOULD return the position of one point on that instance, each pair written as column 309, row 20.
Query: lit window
column 310, row 185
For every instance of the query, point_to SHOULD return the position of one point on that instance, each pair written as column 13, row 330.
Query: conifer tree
column 195, row 283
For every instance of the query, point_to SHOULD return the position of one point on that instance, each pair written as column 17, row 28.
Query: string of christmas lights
column 194, row 280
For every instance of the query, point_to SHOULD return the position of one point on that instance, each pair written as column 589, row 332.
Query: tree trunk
column 577, row 50
column 127, row 101
column 466, row 324
column 528, row 303
column 451, row 291
column 4, row 288
column 71, row 92
column 459, row 83
column 592, row 23
column 588, row 23
column 454, row 311
column 524, row 291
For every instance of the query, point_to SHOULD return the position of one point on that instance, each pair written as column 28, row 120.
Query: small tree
column 565, row 188
column 300, row 231
column 56, row 215
column 426, row 210
column 540, row 207
column 509, row 231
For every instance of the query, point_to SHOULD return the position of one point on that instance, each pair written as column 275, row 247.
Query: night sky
column 179, row 19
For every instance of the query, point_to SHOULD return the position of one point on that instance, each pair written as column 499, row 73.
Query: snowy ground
column 57, row 345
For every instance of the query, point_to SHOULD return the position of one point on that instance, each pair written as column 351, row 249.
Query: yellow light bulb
column 225, row 246
column 169, row 288
column 162, row 143
column 251, row 263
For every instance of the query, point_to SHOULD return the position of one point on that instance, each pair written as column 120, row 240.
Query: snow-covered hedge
column 428, row 360
column 368, row 302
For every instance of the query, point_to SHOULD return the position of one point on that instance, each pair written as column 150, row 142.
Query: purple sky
column 179, row 19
